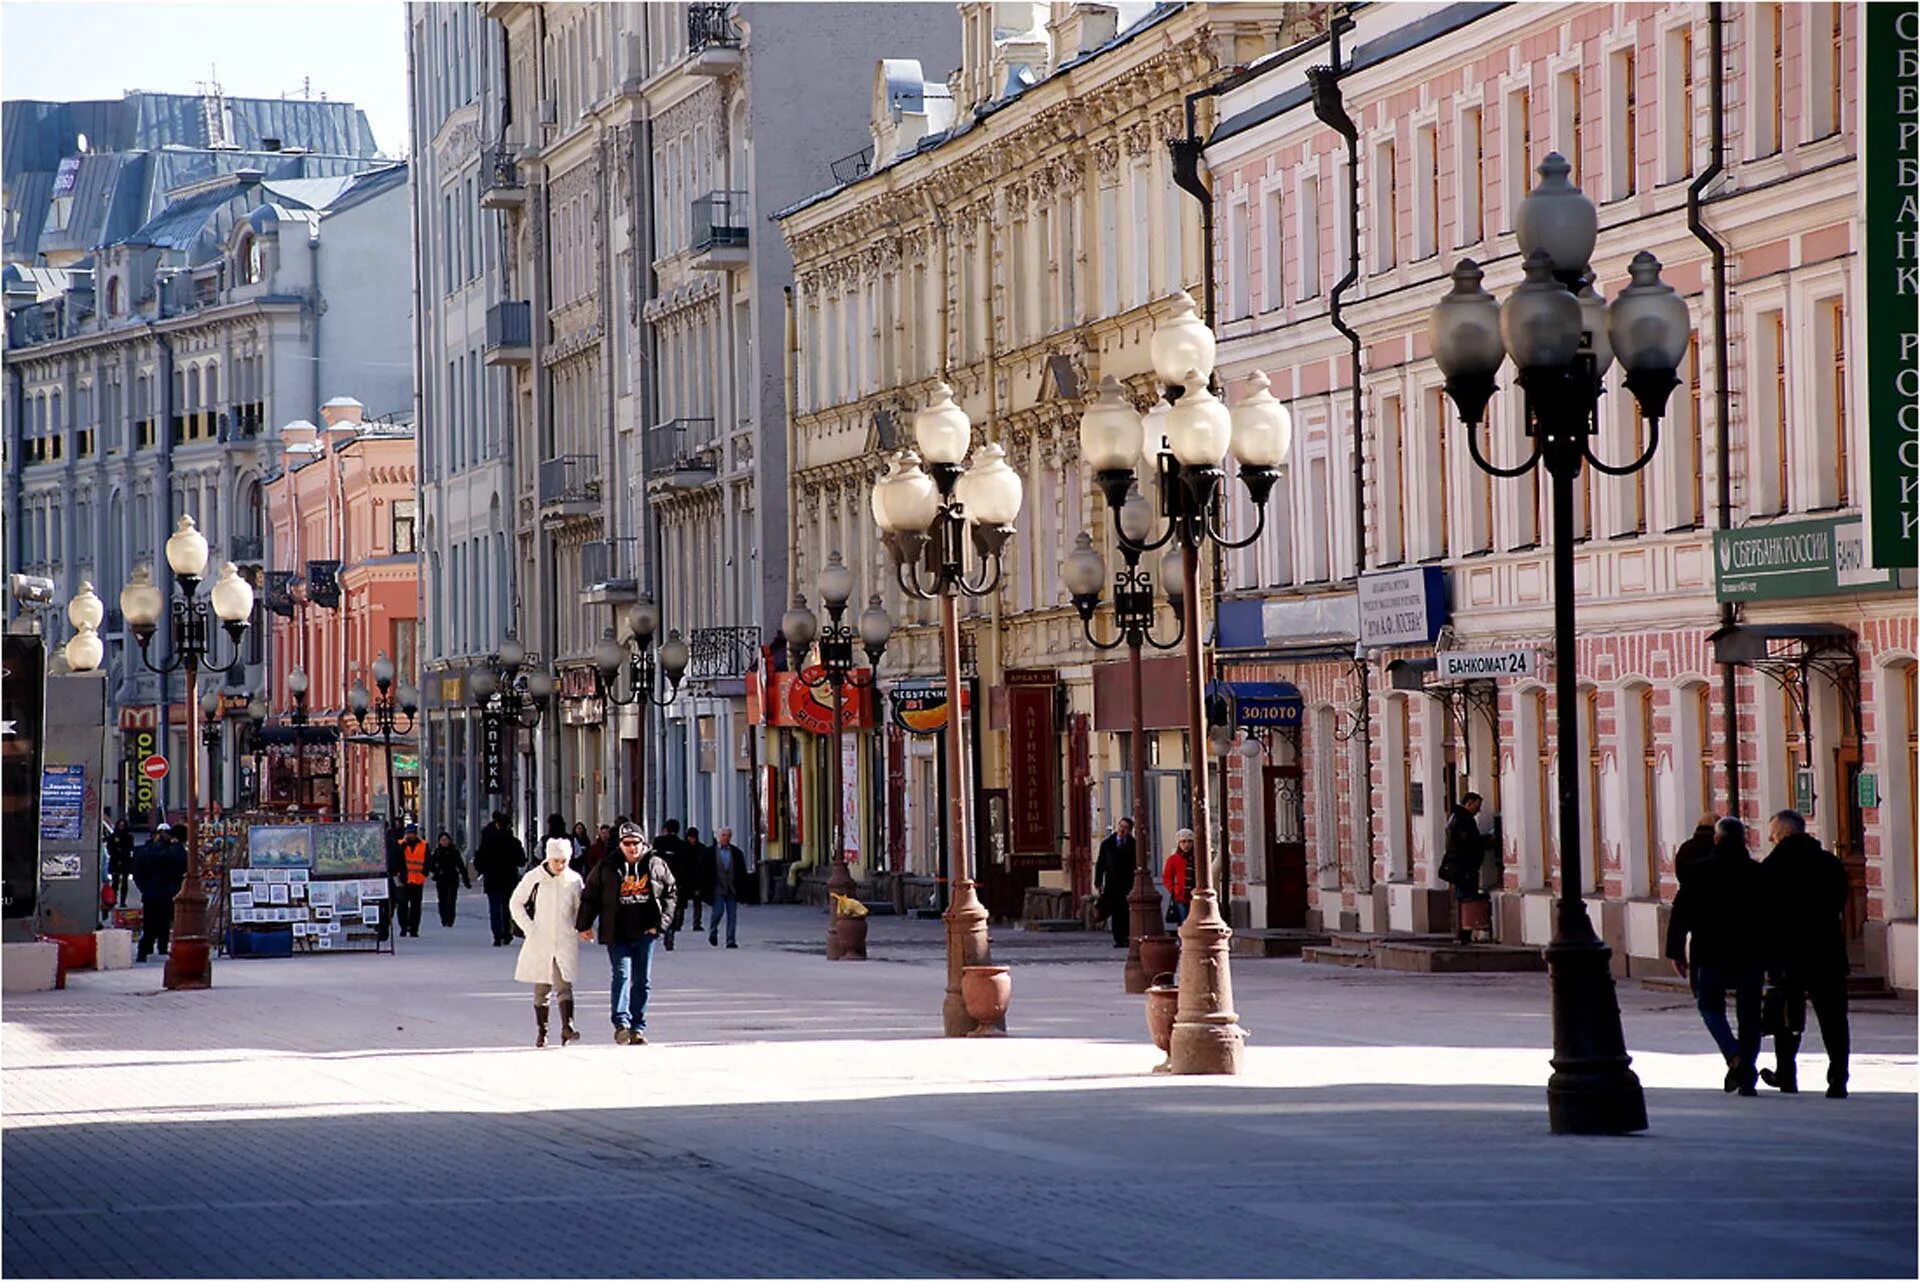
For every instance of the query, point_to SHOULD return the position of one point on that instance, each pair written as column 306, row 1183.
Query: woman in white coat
column 543, row 906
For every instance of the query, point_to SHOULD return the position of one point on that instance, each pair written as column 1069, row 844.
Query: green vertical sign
column 1891, row 110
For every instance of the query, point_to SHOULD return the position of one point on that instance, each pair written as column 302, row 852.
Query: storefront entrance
column 1284, row 792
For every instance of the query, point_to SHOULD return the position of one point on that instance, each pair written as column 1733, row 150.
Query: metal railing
column 570, row 478
column 502, row 171
column 710, row 26
column 721, row 652
column 609, row 560
column 857, row 165
column 720, row 221
column 509, row 324
column 679, row 443
column 246, row 547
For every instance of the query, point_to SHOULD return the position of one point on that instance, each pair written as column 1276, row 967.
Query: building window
column 1109, row 250
column 1439, row 483
column 1318, row 516
column 1426, row 192
column 1309, row 272
column 1830, row 337
column 1687, row 458
column 403, row 524
column 1702, row 696
column 1142, row 199
column 1625, row 124
column 1517, row 143
column 1591, row 801
column 1773, row 332
column 1393, row 503
column 1676, row 95
column 1825, row 68
column 1386, row 230
column 1472, row 169
column 1272, row 252
column 1649, row 795
column 1239, row 302
column 1567, row 122
column 1768, row 76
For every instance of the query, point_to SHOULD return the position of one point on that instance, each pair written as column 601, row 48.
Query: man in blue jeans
column 729, row 869
column 633, row 898
column 1721, row 909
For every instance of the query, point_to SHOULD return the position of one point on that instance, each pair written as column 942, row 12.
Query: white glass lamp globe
column 1110, row 429
column 1182, row 347
column 232, row 595
column 85, row 609
column 905, row 500
column 84, row 651
column 990, row 491
column 942, row 430
column 1083, row 571
column 1199, row 428
column 674, row 656
column 187, row 550
column 1262, row 427
column 140, row 601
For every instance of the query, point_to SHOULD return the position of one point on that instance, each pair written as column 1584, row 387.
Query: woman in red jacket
column 1177, row 875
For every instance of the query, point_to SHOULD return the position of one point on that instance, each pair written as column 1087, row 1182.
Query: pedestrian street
column 387, row 1115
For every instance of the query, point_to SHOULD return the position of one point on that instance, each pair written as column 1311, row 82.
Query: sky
column 352, row 50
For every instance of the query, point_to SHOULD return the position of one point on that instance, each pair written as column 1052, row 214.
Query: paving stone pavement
column 387, row 1116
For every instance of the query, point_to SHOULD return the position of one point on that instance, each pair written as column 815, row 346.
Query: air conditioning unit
column 549, row 114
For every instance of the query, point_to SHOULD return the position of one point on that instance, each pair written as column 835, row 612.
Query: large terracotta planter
column 847, row 938
column 1159, row 954
column 987, row 990
column 1163, row 999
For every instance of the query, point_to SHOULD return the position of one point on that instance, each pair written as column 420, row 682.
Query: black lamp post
column 210, row 740
column 392, row 710
column 1133, row 611
column 946, row 528
column 1200, row 431
column 189, row 959
column 1562, row 338
column 507, row 692
column 800, row 627
column 297, row 691
column 644, row 666
column 257, row 746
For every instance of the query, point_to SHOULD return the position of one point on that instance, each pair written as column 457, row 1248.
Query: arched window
column 113, row 295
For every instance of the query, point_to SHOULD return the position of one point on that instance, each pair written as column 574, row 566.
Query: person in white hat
column 543, row 906
column 1177, row 875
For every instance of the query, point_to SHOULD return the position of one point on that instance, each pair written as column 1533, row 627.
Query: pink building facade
column 1454, row 107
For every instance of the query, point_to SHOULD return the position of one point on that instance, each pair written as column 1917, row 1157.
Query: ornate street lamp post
column 643, row 668
column 257, row 747
column 800, row 627
column 506, row 692
column 210, row 739
column 389, row 712
column 189, row 960
column 946, row 527
column 1083, row 571
column 1562, row 338
column 297, row 691
column 1199, row 433
column 84, row 650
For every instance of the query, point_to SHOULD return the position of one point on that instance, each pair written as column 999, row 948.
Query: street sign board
column 1402, row 606
column 1869, row 793
column 1785, row 560
column 1890, row 59
column 154, row 767
column 1480, row 665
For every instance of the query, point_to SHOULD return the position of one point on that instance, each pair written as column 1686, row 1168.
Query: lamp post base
column 1206, row 1031
column 1143, row 910
column 189, row 956
column 1593, row 1090
column 967, row 944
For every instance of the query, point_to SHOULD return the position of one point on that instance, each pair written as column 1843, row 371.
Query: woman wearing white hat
column 1177, row 875
column 543, row 906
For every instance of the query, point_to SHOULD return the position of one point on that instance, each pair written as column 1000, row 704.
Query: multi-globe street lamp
column 257, row 747
column 644, row 667
column 800, row 627
column 1200, row 431
column 946, row 527
column 189, row 959
column 1134, row 604
column 297, row 691
column 1562, row 337
column 84, row 651
column 389, row 711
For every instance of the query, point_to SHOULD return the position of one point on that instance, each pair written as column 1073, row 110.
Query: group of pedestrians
column 1113, row 874
column 1770, row 933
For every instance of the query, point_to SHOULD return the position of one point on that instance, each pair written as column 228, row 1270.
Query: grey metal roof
column 96, row 185
column 27, row 196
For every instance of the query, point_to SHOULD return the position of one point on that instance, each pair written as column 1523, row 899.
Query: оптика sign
column 1788, row 559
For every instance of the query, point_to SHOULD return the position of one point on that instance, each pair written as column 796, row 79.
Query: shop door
column 1286, row 857
column 1847, row 846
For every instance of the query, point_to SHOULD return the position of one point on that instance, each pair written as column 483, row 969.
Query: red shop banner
column 1034, row 753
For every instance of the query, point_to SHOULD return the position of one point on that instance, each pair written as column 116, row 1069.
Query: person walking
column 697, row 883
column 159, row 871
column 582, row 843
column 413, row 879
column 632, row 899
column 1113, row 878
column 729, row 869
column 1460, row 863
column 1177, row 875
column 670, row 847
column 1806, row 891
column 544, row 905
column 120, row 860
column 602, row 846
column 1698, row 847
column 1720, row 907
column 499, row 862
column 449, row 872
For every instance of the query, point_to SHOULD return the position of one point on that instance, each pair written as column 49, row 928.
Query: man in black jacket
column 1113, row 878
column 499, row 861
column 1721, row 907
column 670, row 847
column 633, row 899
column 159, row 871
column 120, row 860
column 1806, row 888
column 1696, row 848
column 1460, row 864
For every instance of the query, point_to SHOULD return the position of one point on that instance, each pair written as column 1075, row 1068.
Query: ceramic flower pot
column 987, row 990
column 1162, row 1001
column 1159, row 954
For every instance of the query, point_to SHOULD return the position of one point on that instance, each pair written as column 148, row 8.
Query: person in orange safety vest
column 413, row 879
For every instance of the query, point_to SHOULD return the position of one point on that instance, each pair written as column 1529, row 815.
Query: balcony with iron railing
column 713, row 41
column 720, row 231
column 682, row 453
column 500, row 184
column 509, row 334
column 610, row 571
column 722, row 653
column 569, row 486
column 857, row 165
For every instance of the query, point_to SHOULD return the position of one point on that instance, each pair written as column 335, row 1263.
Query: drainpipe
column 1729, row 678
column 1330, row 109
